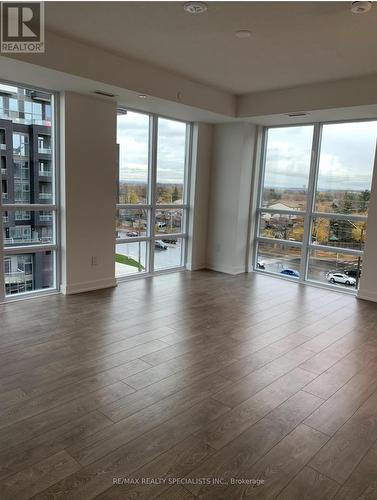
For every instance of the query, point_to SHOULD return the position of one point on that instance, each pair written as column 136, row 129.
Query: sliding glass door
column 28, row 209
column 152, row 209
column 313, row 201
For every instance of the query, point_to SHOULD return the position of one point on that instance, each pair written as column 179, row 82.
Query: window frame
column 309, row 214
column 151, row 207
column 54, row 247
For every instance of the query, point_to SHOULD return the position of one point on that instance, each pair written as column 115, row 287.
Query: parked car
column 290, row 272
column 160, row 245
column 353, row 273
column 173, row 242
column 132, row 234
column 261, row 264
column 341, row 278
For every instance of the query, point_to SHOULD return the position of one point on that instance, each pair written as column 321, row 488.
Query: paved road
column 317, row 269
column 137, row 250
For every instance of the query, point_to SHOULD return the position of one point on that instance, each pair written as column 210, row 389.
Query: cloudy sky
column 132, row 137
column 346, row 161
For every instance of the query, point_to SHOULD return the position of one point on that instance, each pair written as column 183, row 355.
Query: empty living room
column 188, row 250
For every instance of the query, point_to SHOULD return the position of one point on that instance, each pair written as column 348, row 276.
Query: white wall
column 319, row 96
column 233, row 150
column 89, row 170
column 77, row 58
column 368, row 280
column 199, row 195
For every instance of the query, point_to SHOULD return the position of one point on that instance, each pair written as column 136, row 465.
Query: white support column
column 202, row 137
column 88, row 198
column 230, row 197
column 368, row 279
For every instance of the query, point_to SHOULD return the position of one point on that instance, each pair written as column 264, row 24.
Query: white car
column 160, row 245
column 341, row 278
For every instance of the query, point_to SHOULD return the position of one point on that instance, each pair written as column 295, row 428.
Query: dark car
column 132, row 234
column 353, row 273
column 290, row 272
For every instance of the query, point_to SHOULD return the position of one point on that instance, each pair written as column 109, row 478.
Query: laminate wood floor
column 189, row 385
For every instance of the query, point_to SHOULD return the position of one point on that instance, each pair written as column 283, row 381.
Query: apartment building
column 27, row 178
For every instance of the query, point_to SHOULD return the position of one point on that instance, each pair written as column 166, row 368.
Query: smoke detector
column 360, row 7
column 195, row 7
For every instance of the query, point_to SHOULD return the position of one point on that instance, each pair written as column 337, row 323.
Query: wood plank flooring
column 189, row 385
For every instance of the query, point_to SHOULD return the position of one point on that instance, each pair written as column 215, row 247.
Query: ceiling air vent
column 294, row 115
column 106, row 94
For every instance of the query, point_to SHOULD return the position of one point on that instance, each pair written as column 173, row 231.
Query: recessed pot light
column 142, row 96
column 360, row 7
column 242, row 34
column 195, row 7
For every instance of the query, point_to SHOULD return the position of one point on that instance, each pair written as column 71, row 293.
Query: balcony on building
column 44, row 144
column 3, row 145
column 45, row 217
column 45, row 196
column 45, row 169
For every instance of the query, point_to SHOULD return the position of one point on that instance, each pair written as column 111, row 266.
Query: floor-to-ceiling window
column 152, row 209
column 28, row 210
column 315, row 187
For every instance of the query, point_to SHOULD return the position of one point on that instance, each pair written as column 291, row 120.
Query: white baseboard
column 196, row 267
column 220, row 268
column 367, row 295
column 88, row 286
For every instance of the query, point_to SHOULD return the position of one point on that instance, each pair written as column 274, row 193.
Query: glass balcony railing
column 27, row 120
column 45, row 218
column 44, row 150
column 45, row 196
column 4, row 196
column 34, row 240
column 17, row 277
column 4, row 171
column 22, row 199
column 3, row 147
column 24, row 151
column 45, row 173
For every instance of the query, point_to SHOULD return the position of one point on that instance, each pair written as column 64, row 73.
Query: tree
column 347, row 203
column 321, row 231
column 358, row 232
column 133, row 197
column 175, row 194
column 270, row 195
column 363, row 200
column 164, row 194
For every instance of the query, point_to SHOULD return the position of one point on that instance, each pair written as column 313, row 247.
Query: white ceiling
column 293, row 43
